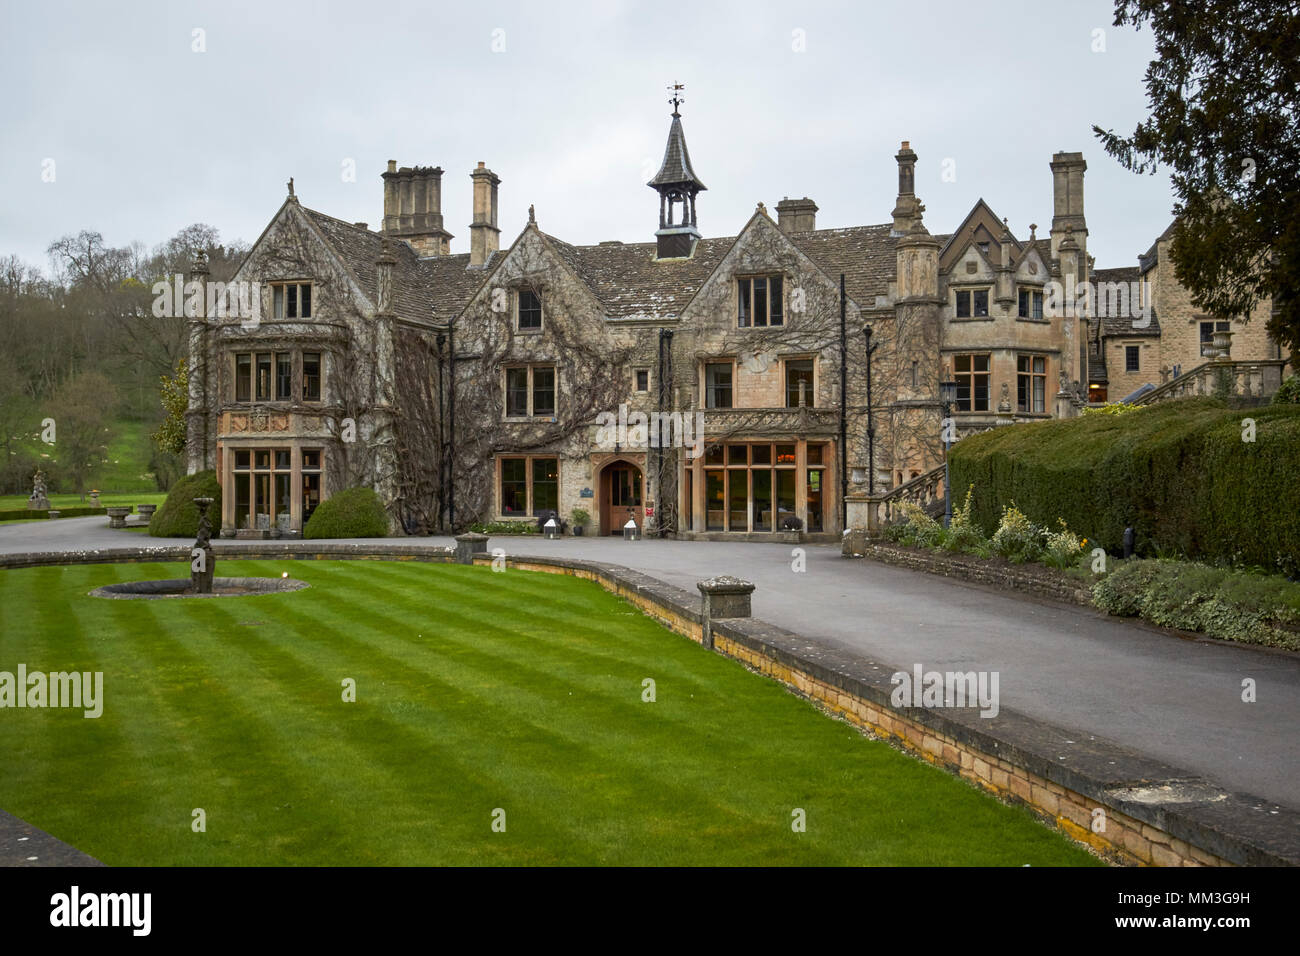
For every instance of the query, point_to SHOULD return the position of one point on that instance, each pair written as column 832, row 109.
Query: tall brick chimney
column 796, row 215
column 484, row 236
column 413, row 208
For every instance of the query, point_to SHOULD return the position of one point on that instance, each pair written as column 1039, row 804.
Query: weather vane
column 677, row 99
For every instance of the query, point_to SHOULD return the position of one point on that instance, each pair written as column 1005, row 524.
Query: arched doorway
column 622, row 496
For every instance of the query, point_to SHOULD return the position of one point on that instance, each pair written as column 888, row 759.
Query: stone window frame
column 1034, row 377
column 987, row 373
column 811, row 393
column 1136, row 352
column 281, row 302
column 970, row 289
column 297, row 375
column 517, row 304
column 704, row 381
column 739, row 280
column 636, row 379
column 532, row 390
column 1034, row 289
column 530, row 507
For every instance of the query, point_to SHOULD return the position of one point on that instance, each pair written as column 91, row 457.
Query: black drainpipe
column 844, row 405
column 665, row 338
column 451, row 425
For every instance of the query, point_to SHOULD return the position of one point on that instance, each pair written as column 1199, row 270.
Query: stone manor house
column 467, row 387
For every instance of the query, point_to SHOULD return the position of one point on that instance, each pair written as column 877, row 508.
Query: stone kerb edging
column 1154, row 813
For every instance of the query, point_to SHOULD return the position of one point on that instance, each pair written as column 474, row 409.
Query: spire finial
column 532, row 214
column 291, row 195
column 677, row 99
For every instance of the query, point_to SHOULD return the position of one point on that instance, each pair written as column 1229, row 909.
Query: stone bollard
column 117, row 516
column 468, row 545
column 722, row 597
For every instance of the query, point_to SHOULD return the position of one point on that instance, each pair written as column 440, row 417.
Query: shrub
column 1223, row 603
column 1063, row 549
column 1177, row 471
column 351, row 513
column 178, row 517
column 918, row 528
column 1289, row 392
column 580, row 516
column 963, row 534
column 1017, row 539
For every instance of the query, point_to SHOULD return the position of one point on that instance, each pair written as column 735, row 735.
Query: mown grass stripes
column 475, row 690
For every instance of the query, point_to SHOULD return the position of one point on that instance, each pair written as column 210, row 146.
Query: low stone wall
column 1128, row 807
column 1034, row 579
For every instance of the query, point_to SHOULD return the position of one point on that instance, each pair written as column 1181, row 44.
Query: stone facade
column 501, row 384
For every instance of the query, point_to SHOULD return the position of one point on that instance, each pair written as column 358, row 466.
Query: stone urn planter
column 117, row 516
column 1223, row 345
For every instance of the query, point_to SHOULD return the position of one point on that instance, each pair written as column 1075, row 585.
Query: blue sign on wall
column 585, row 493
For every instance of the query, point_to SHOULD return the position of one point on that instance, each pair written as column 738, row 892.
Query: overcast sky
column 566, row 102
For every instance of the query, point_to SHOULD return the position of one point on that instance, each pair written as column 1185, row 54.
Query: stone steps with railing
column 874, row 513
column 1254, row 379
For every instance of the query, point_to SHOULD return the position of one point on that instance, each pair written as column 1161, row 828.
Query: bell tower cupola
column 676, row 184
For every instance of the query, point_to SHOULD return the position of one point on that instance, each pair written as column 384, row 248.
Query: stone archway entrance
column 621, row 487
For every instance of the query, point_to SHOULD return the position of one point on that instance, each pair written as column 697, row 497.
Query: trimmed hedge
column 1179, row 472
column 178, row 517
column 351, row 513
column 18, row 514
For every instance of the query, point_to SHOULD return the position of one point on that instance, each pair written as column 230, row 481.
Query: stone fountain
column 203, row 581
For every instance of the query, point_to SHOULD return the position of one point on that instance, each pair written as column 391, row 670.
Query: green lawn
column 475, row 691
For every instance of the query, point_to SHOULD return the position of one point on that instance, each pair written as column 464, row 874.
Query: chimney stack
column 905, row 210
column 796, row 215
column 484, row 236
column 413, row 208
column 1067, row 203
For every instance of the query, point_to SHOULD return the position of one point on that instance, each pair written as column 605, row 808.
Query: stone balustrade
column 873, row 513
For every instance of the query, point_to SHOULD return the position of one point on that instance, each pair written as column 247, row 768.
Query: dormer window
column 528, row 309
column 291, row 300
column 972, row 303
column 760, row 301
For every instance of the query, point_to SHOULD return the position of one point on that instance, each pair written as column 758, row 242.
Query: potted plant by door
column 580, row 519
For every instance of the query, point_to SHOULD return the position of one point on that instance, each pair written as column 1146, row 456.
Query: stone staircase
column 1252, row 379
column 874, row 513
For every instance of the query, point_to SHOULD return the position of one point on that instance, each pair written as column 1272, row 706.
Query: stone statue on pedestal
column 38, row 500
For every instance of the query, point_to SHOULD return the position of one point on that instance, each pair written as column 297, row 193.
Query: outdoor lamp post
column 948, row 396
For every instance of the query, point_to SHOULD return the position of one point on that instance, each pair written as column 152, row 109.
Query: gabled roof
column 676, row 168
column 1152, row 255
column 981, row 215
column 865, row 254
column 358, row 248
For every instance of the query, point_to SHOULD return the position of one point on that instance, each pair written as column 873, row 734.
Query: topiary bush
column 178, row 517
column 351, row 513
column 1178, row 471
